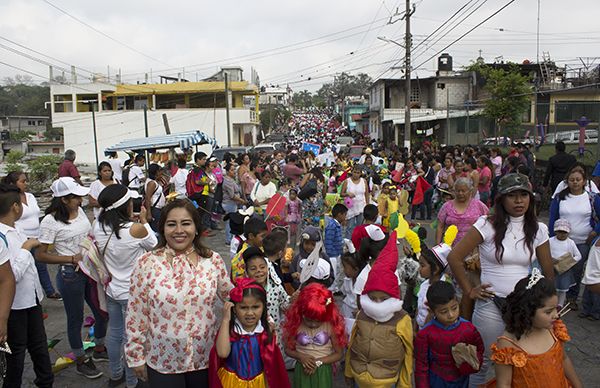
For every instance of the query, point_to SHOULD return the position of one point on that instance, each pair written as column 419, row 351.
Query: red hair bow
column 237, row 293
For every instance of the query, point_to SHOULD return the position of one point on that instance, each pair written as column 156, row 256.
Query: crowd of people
column 328, row 265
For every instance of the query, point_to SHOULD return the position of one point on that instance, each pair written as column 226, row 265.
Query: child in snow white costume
column 245, row 353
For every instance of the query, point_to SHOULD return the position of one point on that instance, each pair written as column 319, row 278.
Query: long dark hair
column 261, row 295
column 500, row 220
column 114, row 218
column 58, row 208
column 200, row 248
column 577, row 167
column 522, row 303
column 12, row 177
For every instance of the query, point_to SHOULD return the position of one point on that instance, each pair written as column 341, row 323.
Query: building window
column 569, row 111
column 40, row 122
column 31, row 123
column 415, row 93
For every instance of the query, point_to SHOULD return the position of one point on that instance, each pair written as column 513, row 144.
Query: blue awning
column 183, row 140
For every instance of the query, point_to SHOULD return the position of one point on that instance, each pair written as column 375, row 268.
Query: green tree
column 21, row 135
column 302, row 99
column 508, row 96
column 344, row 85
column 54, row 133
column 274, row 116
column 19, row 96
column 13, row 161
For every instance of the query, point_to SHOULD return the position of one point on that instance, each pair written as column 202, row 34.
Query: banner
column 312, row 147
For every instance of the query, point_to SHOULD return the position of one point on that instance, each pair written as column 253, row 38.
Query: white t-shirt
column 497, row 162
column 559, row 248
column 121, row 255
column 158, row 199
column 349, row 302
column 29, row 223
column 117, row 167
column 262, row 192
column 95, row 189
column 515, row 259
column 178, row 180
column 591, row 187
column 136, row 176
column 361, row 280
column 577, row 209
column 65, row 237
column 422, row 309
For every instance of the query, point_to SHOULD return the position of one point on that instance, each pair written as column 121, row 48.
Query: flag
column 421, row 187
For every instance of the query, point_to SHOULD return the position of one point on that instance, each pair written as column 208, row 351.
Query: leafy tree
column 508, row 96
column 19, row 96
column 302, row 99
column 275, row 116
column 13, row 161
column 42, row 170
column 21, row 135
column 53, row 133
column 345, row 85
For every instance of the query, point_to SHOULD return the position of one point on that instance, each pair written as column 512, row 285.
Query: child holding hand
column 314, row 335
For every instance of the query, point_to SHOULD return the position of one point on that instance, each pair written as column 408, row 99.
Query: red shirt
column 67, row 168
column 359, row 233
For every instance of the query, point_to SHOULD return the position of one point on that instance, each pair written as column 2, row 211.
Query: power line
column 104, row 34
column 465, row 34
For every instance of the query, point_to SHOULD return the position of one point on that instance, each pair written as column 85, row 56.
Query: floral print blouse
column 171, row 322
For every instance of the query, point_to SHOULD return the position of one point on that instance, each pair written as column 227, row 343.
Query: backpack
column 192, row 185
column 125, row 176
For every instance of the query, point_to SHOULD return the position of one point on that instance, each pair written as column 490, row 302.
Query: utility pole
column 227, row 108
column 448, row 114
column 407, row 66
column 95, row 137
column 146, row 132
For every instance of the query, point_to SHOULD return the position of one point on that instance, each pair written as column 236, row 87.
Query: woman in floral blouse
column 171, row 322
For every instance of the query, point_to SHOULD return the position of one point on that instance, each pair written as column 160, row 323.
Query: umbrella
column 276, row 205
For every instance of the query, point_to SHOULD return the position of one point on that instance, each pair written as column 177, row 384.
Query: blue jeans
column 44, row 276
column 75, row 288
column 228, row 208
column 117, row 337
column 352, row 223
column 578, row 269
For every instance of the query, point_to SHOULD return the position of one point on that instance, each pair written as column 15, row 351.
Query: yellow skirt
column 231, row 380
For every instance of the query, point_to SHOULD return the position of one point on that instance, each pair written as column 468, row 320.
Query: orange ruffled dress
column 535, row 370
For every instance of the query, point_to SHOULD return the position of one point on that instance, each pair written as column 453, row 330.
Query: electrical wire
column 104, row 34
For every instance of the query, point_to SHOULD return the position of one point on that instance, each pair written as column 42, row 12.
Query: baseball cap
column 513, row 182
column 311, row 233
column 562, row 225
column 67, row 185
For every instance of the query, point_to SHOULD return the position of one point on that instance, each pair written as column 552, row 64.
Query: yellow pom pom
column 413, row 240
column 450, row 234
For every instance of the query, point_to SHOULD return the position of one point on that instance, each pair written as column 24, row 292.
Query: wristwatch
column 318, row 363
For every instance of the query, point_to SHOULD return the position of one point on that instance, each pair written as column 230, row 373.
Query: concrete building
column 34, row 124
column 440, row 107
column 46, row 147
column 119, row 110
column 275, row 95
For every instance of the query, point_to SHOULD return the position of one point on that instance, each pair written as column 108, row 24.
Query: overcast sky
column 285, row 41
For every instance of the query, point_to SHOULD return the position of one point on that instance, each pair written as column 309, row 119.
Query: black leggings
column 195, row 379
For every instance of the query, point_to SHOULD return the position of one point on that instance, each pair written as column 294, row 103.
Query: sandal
column 55, row 295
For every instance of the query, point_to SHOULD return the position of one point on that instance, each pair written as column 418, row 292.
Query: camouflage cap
column 513, row 182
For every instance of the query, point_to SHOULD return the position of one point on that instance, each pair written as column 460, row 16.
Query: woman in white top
column 509, row 242
column 154, row 197
column 179, row 178
column 105, row 178
column 65, row 226
column 581, row 208
column 29, row 225
column 355, row 188
column 122, row 242
column 263, row 191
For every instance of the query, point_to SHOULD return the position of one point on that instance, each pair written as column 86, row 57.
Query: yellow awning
column 183, row 88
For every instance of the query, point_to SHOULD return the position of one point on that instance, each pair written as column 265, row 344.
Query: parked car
column 345, row 140
column 269, row 148
column 275, row 137
column 355, row 152
column 572, row 137
column 219, row 153
column 501, row 140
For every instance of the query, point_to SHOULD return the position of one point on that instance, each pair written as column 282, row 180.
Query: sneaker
column 100, row 356
column 55, row 296
column 88, row 369
column 115, row 383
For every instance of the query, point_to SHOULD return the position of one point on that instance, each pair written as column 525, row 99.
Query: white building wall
column 113, row 127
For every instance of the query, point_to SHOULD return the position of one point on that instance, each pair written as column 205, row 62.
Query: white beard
column 382, row 311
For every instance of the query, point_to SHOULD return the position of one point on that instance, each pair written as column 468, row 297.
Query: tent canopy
column 183, row 140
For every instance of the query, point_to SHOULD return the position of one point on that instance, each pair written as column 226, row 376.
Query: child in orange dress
column 530, row 354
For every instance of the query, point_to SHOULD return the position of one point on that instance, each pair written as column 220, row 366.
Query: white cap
column 441, row 252
column 67, row 185
column 321, row 271
column 375, row 232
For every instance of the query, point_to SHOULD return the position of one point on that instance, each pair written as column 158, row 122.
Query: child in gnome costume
column 380, row 353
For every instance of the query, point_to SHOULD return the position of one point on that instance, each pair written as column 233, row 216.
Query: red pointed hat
column 382, row 276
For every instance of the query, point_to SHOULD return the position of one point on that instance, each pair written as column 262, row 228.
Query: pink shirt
column 463, row 221
column 67, row 168
column 485, row 172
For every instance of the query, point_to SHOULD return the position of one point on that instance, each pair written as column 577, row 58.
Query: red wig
column 314, row 302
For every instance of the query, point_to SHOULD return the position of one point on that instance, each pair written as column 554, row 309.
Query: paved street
column 584, row 348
